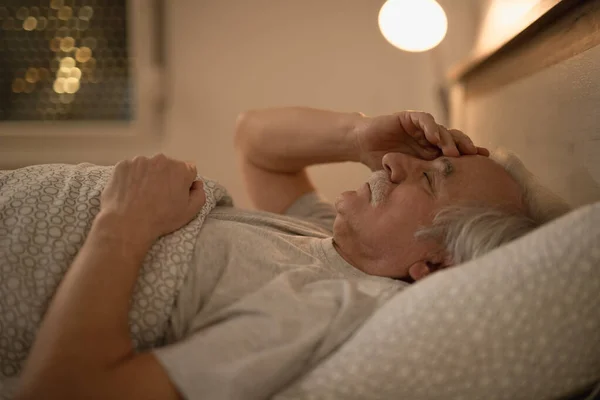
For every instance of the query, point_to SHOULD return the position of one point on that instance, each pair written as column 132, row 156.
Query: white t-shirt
column 268, row 299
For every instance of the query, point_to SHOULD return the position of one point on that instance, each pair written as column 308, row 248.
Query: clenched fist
column 150, row 197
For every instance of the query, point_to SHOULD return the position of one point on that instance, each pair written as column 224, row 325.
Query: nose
column 400, row 166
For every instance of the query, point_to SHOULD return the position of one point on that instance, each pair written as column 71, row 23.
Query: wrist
column 121, row 234
column 354, row 124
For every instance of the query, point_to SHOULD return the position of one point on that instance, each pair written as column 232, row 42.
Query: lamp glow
column 413, row 25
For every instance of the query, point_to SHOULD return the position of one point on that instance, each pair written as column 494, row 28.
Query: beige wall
column 228, row 56
column 330, row 54
column 550, row 120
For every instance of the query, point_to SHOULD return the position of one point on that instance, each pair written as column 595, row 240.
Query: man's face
column 377, row 223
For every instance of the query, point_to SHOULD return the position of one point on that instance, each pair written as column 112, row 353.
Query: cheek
column 410, row 208
column 398, row 225
column 404, row 211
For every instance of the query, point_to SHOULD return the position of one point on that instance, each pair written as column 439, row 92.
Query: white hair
column 469, row 231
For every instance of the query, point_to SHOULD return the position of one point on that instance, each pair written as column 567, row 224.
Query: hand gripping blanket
column 46, row 212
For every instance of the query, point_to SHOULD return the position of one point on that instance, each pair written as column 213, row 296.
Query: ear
column 431, row 264
column 419, row 270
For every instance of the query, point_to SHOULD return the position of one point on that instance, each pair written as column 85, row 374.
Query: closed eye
column 428, row 179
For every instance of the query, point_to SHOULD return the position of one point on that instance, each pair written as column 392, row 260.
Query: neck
column 370, row 262
column 344, row 255
column 355, row 258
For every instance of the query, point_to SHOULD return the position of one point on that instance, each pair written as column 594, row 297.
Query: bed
column 504, row 326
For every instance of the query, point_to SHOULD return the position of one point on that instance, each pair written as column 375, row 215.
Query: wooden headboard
column 539, row 95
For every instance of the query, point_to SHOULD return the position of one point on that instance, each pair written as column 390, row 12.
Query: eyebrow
column 448, row 167
column 444, row 170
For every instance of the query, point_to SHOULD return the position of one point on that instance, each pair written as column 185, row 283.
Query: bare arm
column 83, row 348
column 276, row 146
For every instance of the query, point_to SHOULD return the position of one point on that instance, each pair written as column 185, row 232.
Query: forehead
column 477, row 178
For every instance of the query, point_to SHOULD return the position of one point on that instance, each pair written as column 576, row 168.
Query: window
column 64, row 60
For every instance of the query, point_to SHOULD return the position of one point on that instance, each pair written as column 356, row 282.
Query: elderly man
column 271, row 292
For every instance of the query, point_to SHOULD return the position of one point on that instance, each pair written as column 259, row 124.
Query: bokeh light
column 30, row 23
column 64, row 59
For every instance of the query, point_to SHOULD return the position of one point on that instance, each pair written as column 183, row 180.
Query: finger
column 197, row 198
column 158, row 158
column 189, row 172
column 463, row 142
column 426, row 123
column 447, row 143
column 192, row 168
column 122, row 165
column 419, row 125
column 426, row 150
column 482, row 151
column 138, row 165
column 121, row 175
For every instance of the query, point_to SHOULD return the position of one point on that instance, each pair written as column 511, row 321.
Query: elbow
column 240, row 130
column 247, row 131
column 243, row 124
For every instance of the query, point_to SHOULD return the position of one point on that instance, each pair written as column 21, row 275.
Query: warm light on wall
column 413, row 25
column 502, row 19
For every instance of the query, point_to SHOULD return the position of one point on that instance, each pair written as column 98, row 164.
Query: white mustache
column 379, row 183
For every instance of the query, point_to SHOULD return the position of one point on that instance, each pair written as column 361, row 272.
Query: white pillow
column 522, row 322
